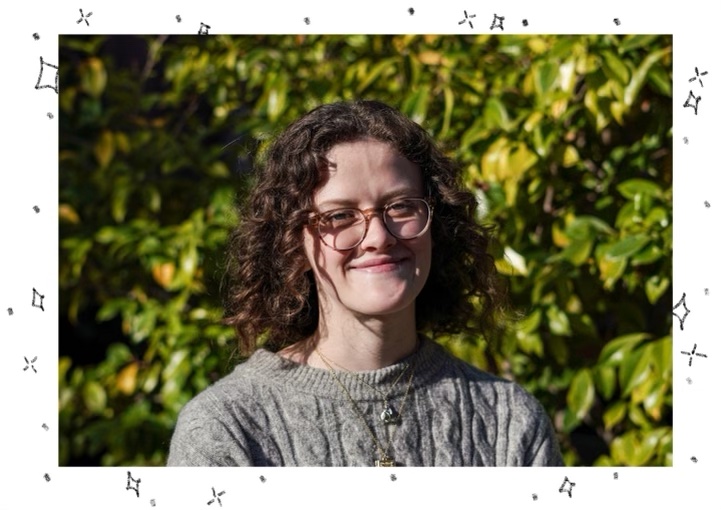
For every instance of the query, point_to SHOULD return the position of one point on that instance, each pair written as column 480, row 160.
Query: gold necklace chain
column 385, row 460
column 389, row 414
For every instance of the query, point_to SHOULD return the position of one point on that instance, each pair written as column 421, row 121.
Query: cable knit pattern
column 273, row 412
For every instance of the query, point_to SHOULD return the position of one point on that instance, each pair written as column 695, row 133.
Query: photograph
column 365, row 250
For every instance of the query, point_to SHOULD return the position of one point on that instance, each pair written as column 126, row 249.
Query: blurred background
column 565, row 139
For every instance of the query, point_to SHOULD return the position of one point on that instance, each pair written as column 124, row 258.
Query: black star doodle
column 84, row 18
column 36, row 36
column 499, row 19
column 411, row 11
column 137, row 485
column 467, row 18
column 682, row 302
column 570, row 486
column 36, row 293
column 698, row 76
column 203, row 29
column 692, row 354
column 216, row 497
column 29, row 364
column 696, row 100
column 40, row 76
column 617, row 21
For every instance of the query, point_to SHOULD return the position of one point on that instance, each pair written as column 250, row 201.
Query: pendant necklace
column 388, row 416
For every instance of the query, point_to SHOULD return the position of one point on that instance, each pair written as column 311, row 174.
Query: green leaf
column 627, row 246
column 638, row 77
column 604, row 377
column 615, row 351
column 614, row 414
column 94, row 397
column 632, row 187
column 655, row 287
column 581, row 394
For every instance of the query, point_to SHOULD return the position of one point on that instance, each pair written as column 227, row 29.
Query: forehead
column 367, row 170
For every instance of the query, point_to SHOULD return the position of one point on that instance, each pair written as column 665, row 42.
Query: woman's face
column 382, row 275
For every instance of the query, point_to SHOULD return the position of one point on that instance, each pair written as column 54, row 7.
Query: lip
column 379, row 265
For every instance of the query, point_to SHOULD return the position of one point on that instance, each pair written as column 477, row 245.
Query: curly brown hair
column 272, row 295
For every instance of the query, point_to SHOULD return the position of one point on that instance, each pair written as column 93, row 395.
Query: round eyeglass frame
column 368, row 214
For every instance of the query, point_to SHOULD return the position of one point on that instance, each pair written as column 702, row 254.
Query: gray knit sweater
column 273, row 412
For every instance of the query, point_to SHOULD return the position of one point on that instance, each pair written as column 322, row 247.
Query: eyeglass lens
column 344, row 228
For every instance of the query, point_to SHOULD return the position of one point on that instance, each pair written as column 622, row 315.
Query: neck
column 367, row 343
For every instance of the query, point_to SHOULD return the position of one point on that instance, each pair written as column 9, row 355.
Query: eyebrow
column 385, row 198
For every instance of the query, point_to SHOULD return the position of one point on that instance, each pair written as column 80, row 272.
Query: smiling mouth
column 382, row 267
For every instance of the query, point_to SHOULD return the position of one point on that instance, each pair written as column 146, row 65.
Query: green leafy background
column 565, row 139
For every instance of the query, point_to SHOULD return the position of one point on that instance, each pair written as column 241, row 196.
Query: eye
column 402, row 207
column 340, row 218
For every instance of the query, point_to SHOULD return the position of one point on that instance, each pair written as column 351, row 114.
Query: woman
column 357, row 246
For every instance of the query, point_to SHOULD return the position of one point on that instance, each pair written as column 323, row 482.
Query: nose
column 377, row 236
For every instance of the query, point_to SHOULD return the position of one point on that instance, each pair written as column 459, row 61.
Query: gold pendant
column 385, row 462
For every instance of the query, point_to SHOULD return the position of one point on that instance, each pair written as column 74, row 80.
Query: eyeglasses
column 344, row 229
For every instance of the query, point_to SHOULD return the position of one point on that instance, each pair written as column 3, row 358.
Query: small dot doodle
column 152, row 502
column 393, row 478
column 307, row 21
column 36, row 36
column 36, row 209
column 497, row 21
column 689, row 380
column 694, row 460
column 45, row 426
column 615, row 476
column 47, row 477
column 10, row 311
column 411, row 11
column 705, row 291
column 203, row 29
column 617, row 21
column 50, row 116
column 525, row 22
column 706, row 203
column 535, row 497
column 178, row 18
column 262, row 478
column 128, row 487
column 685, row 140
column 467, row 18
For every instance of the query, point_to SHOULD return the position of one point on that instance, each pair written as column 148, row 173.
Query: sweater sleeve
column 202, row 438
